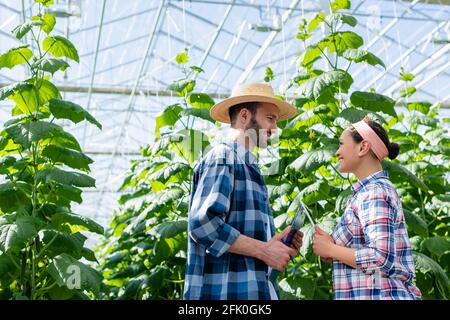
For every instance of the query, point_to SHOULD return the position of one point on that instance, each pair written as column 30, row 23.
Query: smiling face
column 348, row 153
column 263, row 124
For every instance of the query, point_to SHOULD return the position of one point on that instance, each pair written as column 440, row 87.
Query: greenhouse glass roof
column 127, row 55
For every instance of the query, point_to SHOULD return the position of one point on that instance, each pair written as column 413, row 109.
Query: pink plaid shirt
column 373, row 223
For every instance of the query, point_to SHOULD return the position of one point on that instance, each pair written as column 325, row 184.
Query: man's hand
column 322, row 243
column 276, row 254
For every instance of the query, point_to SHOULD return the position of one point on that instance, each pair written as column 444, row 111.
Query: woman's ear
column 364, row 148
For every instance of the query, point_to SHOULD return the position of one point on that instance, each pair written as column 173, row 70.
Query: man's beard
column 253, row 131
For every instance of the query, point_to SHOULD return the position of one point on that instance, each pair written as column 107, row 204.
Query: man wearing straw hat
column 232, row 246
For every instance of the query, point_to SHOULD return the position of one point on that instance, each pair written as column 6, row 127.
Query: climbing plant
column 43, row 170
column 145, row 252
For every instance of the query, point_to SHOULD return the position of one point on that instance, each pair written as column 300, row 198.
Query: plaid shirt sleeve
column 377, row 218
column 209, row 205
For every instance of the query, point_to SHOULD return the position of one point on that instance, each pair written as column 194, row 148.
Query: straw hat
column 253, row 92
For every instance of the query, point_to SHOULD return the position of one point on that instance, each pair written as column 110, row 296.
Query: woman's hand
column 322, row 244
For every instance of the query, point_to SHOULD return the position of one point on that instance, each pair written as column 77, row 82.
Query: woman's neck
column 367, row 168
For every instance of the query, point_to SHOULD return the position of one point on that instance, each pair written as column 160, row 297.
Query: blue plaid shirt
column 229, row 198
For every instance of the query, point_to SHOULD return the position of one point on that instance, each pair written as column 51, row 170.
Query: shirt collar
column 373, row 177
column 241, row 151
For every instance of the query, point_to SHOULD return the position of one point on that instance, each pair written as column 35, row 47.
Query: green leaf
column 437, row 245
column 400, row 173
column 15, row 56
column 416, row 223
column 407, row 92
column 359, row 55
column 47, row 91
column 77, row 220
column 71, row 158
column 25, row 133
column 59, row 46
column 26, row 99
column 423, row 120
column 342, row 200
column 337, row 5
column 182, row 87
column 341, row 41
column 344, row 18
column 58, row 242
column 189, row 144
column 425, row 264
column 63, row 109
column 312, row 53
column 65, row 268
column 334, row 80
column 51, row 65
column 21, row 30
column 64, row 177
column 314, row 23
column 200, row 101
column 14, row 232
column 373, row 101
column 423, row 107
column 198, row 113
column 278, row 191
column 319, row 190
column 168, row 117
column 170, row 229
column 14, row 195
column 312, row 160
column 269, row 75
column 48, row 22
column 352, row 115
column 182, row 57
column 168, row 171
column 7, row 91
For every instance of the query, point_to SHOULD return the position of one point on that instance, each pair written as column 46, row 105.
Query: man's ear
column 244, row 117
column 364, row 148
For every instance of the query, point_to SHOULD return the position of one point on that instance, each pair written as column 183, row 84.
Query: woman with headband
column 369, row 248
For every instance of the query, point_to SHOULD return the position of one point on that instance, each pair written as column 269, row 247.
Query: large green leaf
column 25, row 133
column 47, row 91
column 200, row 101
column 169, row 170
column 65, row 177
column 15, row 56
column 48, row 22
column 189, row 144
column 416, row 223
column 312, row 53
column 65, row 269
column 341, row 41
column 314, row 23
column 374, row 102
column 437, row 245
column 14, row 195
column 26, row 99
column 337, row 80
column 77, row 220
column 15, row 231
column 312, row 160
column 63, row 109
column 58, row 242
column 168, row 117
column 198, row 113
column 352, row 115
column 71, row 158
column 359, row 55
column 425, row 264
column 59, row 46
column 169, row 229
column 423, row 107
column 398, row 172
column 319, row 190
column 51, row 65
column 342, row 200
column 7, row 91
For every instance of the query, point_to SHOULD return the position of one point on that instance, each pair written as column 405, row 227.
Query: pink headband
column 376, row 144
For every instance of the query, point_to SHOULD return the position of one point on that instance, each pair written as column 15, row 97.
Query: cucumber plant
column 43, row 170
